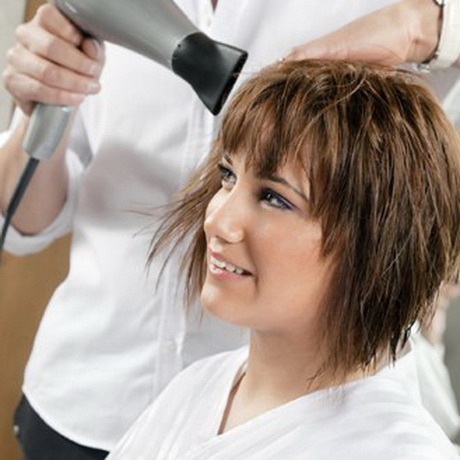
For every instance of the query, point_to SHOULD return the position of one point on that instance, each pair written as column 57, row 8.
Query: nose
column 226, row 216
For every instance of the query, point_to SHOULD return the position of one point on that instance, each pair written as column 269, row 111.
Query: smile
column 227, row 266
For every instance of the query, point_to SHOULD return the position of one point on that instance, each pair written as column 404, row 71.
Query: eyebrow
column 280, row 180
column 273, row 178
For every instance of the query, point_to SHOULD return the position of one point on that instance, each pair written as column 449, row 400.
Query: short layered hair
column 383, row 163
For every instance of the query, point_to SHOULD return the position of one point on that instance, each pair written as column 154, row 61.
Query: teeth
column 226, row 266
column 230, row 267
column 217, row 263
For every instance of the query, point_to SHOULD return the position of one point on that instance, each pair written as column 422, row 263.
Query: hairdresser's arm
column 52, row 63
column 406, row 31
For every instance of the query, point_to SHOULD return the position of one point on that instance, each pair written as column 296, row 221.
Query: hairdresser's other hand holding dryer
column 52, row 62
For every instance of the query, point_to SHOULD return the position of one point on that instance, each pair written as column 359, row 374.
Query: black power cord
column 16, row 198
column 45, row 131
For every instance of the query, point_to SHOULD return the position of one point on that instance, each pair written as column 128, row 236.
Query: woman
column 324, row 222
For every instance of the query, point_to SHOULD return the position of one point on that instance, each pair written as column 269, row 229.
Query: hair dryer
column 157, row 29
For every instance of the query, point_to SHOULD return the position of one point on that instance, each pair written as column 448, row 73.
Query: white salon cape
column 109, row 341
column 376, row 418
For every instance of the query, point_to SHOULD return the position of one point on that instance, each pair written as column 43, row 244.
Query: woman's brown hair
column 383, row 162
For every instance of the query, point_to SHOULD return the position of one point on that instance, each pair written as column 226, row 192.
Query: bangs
column 307, row 119
column 271, row 124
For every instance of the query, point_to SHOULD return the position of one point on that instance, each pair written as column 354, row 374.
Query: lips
column 227, row 266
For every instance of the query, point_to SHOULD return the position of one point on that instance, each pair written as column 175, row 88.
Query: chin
column 211, row 300
column 218, row 305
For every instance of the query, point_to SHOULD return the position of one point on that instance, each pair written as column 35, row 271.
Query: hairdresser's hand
column 52, row 62
column 407, row 31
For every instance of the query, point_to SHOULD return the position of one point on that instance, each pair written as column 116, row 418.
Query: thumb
column 327, row 49
column 318, row 49
column 313, row 50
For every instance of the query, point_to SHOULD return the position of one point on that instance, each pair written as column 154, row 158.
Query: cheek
column 296, row 246
column 294, row 268
column 303, row 266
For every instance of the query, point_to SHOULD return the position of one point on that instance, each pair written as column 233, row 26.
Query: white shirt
column 435, row 386
column 378, row 417
column 109, row 341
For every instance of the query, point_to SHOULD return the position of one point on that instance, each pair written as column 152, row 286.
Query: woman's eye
column 227, row 176
column 274, row 200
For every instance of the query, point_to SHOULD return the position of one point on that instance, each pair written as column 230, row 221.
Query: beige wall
column 11, row 14
column 25, row 287
column 25, row 283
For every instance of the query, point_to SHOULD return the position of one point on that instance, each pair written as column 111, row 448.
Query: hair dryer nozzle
column 212, row 68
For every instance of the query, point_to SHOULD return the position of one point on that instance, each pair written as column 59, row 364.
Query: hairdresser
column 110, row 339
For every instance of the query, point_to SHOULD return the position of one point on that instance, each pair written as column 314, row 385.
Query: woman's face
column 264, row 268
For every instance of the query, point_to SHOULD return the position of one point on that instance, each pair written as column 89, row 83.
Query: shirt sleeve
column 77, row 157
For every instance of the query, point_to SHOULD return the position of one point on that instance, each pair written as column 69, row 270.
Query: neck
column 281, row 368
column 284, row 368
column 278, row 371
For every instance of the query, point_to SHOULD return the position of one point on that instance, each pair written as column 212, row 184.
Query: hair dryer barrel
column 159, row 30
column 210, row 67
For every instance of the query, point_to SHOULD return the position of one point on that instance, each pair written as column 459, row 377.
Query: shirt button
column 16, row 430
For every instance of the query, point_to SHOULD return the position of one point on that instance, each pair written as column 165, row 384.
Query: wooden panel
column 25, row 286
column 32, row 6
column 11, row 12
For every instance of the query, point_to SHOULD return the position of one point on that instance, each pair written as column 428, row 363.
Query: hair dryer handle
column 46, row 129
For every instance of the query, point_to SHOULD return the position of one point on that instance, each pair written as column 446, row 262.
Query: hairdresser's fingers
column 37, row 92
column 404, row 32
column 51, row 19
column 47, row 82
column 46, row 64
column 94, row 50
column 22, row 62
column 367, row 39
column 336, row 48
column 56, row 50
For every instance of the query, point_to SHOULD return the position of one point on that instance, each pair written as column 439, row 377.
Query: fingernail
column 93, row 87
column 94, row 69
column 98, row 48
column 76, row 98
